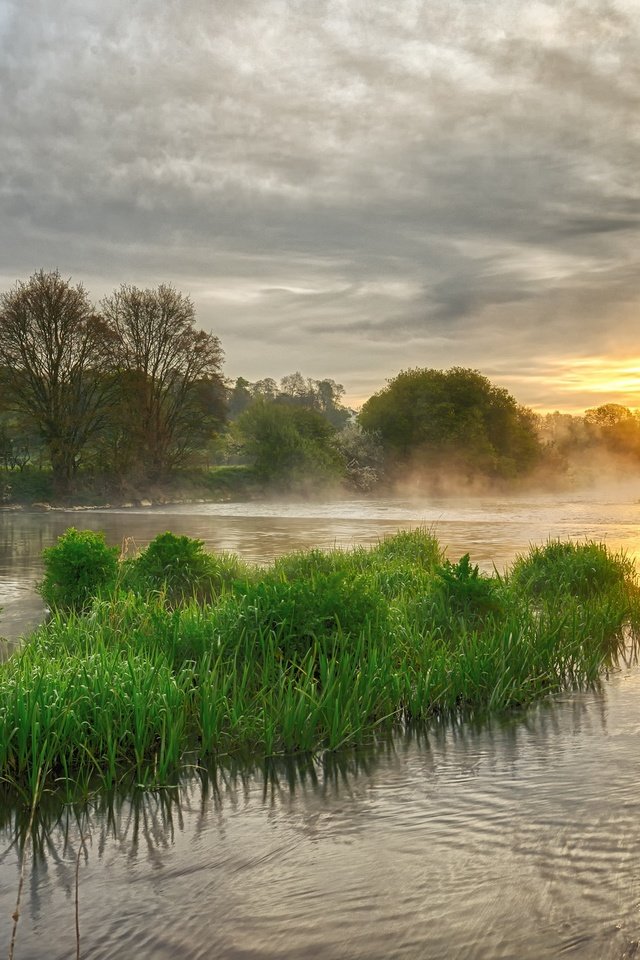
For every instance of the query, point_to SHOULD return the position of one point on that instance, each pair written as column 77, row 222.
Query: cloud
column 344, row 188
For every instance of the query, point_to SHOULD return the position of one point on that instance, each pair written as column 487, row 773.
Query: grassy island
column 177, row 655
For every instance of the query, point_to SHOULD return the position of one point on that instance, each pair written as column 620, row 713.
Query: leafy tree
column 266, row 388
column 608, row 415
column 166, row 368
column 55, row 358
column 363, row 455
column 616, row 427
column 455, row 418
column 240, row 397
column 322, row 395
column 290, row 446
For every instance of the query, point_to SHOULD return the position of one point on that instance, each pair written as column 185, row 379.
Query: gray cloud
column 344, row 188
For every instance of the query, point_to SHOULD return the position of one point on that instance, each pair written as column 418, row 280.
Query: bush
column 180, row 568
column 77, row 569
column 455, row 599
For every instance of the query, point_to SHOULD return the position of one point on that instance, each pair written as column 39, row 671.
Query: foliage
column 416, row 547
column 226, row 482
column 608, row 415
column 239, row 397
column 598, row 447
column 170, row 382
column 29, row 485
column 323, row 396
column 178, row 568
column 466, row 593
column 301, row 611
column 54, row 358
column 363, row 455
column 77, row 569
column 615, row 427
column 454, row 418
column 291, row 446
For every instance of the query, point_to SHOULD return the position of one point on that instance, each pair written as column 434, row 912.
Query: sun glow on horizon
column 569, row 385
column 598, row 380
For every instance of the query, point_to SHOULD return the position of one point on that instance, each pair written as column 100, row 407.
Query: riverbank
column 32, row 488
column 315, row 653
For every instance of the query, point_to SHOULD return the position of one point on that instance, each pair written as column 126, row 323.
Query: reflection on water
column 492, row 529
column 517, row 838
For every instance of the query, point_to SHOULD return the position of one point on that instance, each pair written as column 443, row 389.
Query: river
column 516, row 839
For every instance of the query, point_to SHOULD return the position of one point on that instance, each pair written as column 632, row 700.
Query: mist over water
column 493, row 528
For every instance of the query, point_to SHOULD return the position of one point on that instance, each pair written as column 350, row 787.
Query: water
column 518, row 839
column 494, row 530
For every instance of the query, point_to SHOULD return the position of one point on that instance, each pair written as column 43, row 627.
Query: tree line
column 131, row 391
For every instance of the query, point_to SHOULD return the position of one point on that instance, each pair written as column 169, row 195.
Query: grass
column 317, row 652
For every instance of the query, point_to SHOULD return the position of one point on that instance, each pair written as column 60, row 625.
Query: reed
column 317, row 652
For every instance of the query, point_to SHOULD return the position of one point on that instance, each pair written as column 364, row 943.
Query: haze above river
column 492, row 529
column 516, row 839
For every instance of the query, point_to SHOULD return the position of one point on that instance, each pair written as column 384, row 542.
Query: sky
column 347, row 188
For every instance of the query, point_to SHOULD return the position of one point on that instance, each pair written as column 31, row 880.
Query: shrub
column 456, row 599
column 180, row 568
column 77, row 569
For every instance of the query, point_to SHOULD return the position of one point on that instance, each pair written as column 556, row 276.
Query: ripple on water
column 519, row 838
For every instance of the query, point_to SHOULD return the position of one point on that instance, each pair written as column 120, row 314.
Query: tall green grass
column 316, row 652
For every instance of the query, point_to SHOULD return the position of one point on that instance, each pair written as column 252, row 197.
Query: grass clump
column 581, row 570
column 299, row 613
column 417, row 547
column 315, row 652
column 463, row 593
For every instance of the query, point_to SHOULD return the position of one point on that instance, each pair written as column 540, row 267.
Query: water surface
column 516, row 839
column 520, row 839
column 493, row 529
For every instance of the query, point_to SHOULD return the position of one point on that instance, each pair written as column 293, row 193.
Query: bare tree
column 165, row 365
column 54, row 354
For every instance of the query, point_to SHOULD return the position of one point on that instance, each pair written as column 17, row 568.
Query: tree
column 165, row 365
column 55, row 359
column 322, row 395
column 240, row 397
column 266, row 388
column 295, row 390
column 608, row 415
column 291, row 446
column 454, row 418
column 616, row 427
column 363, row 456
